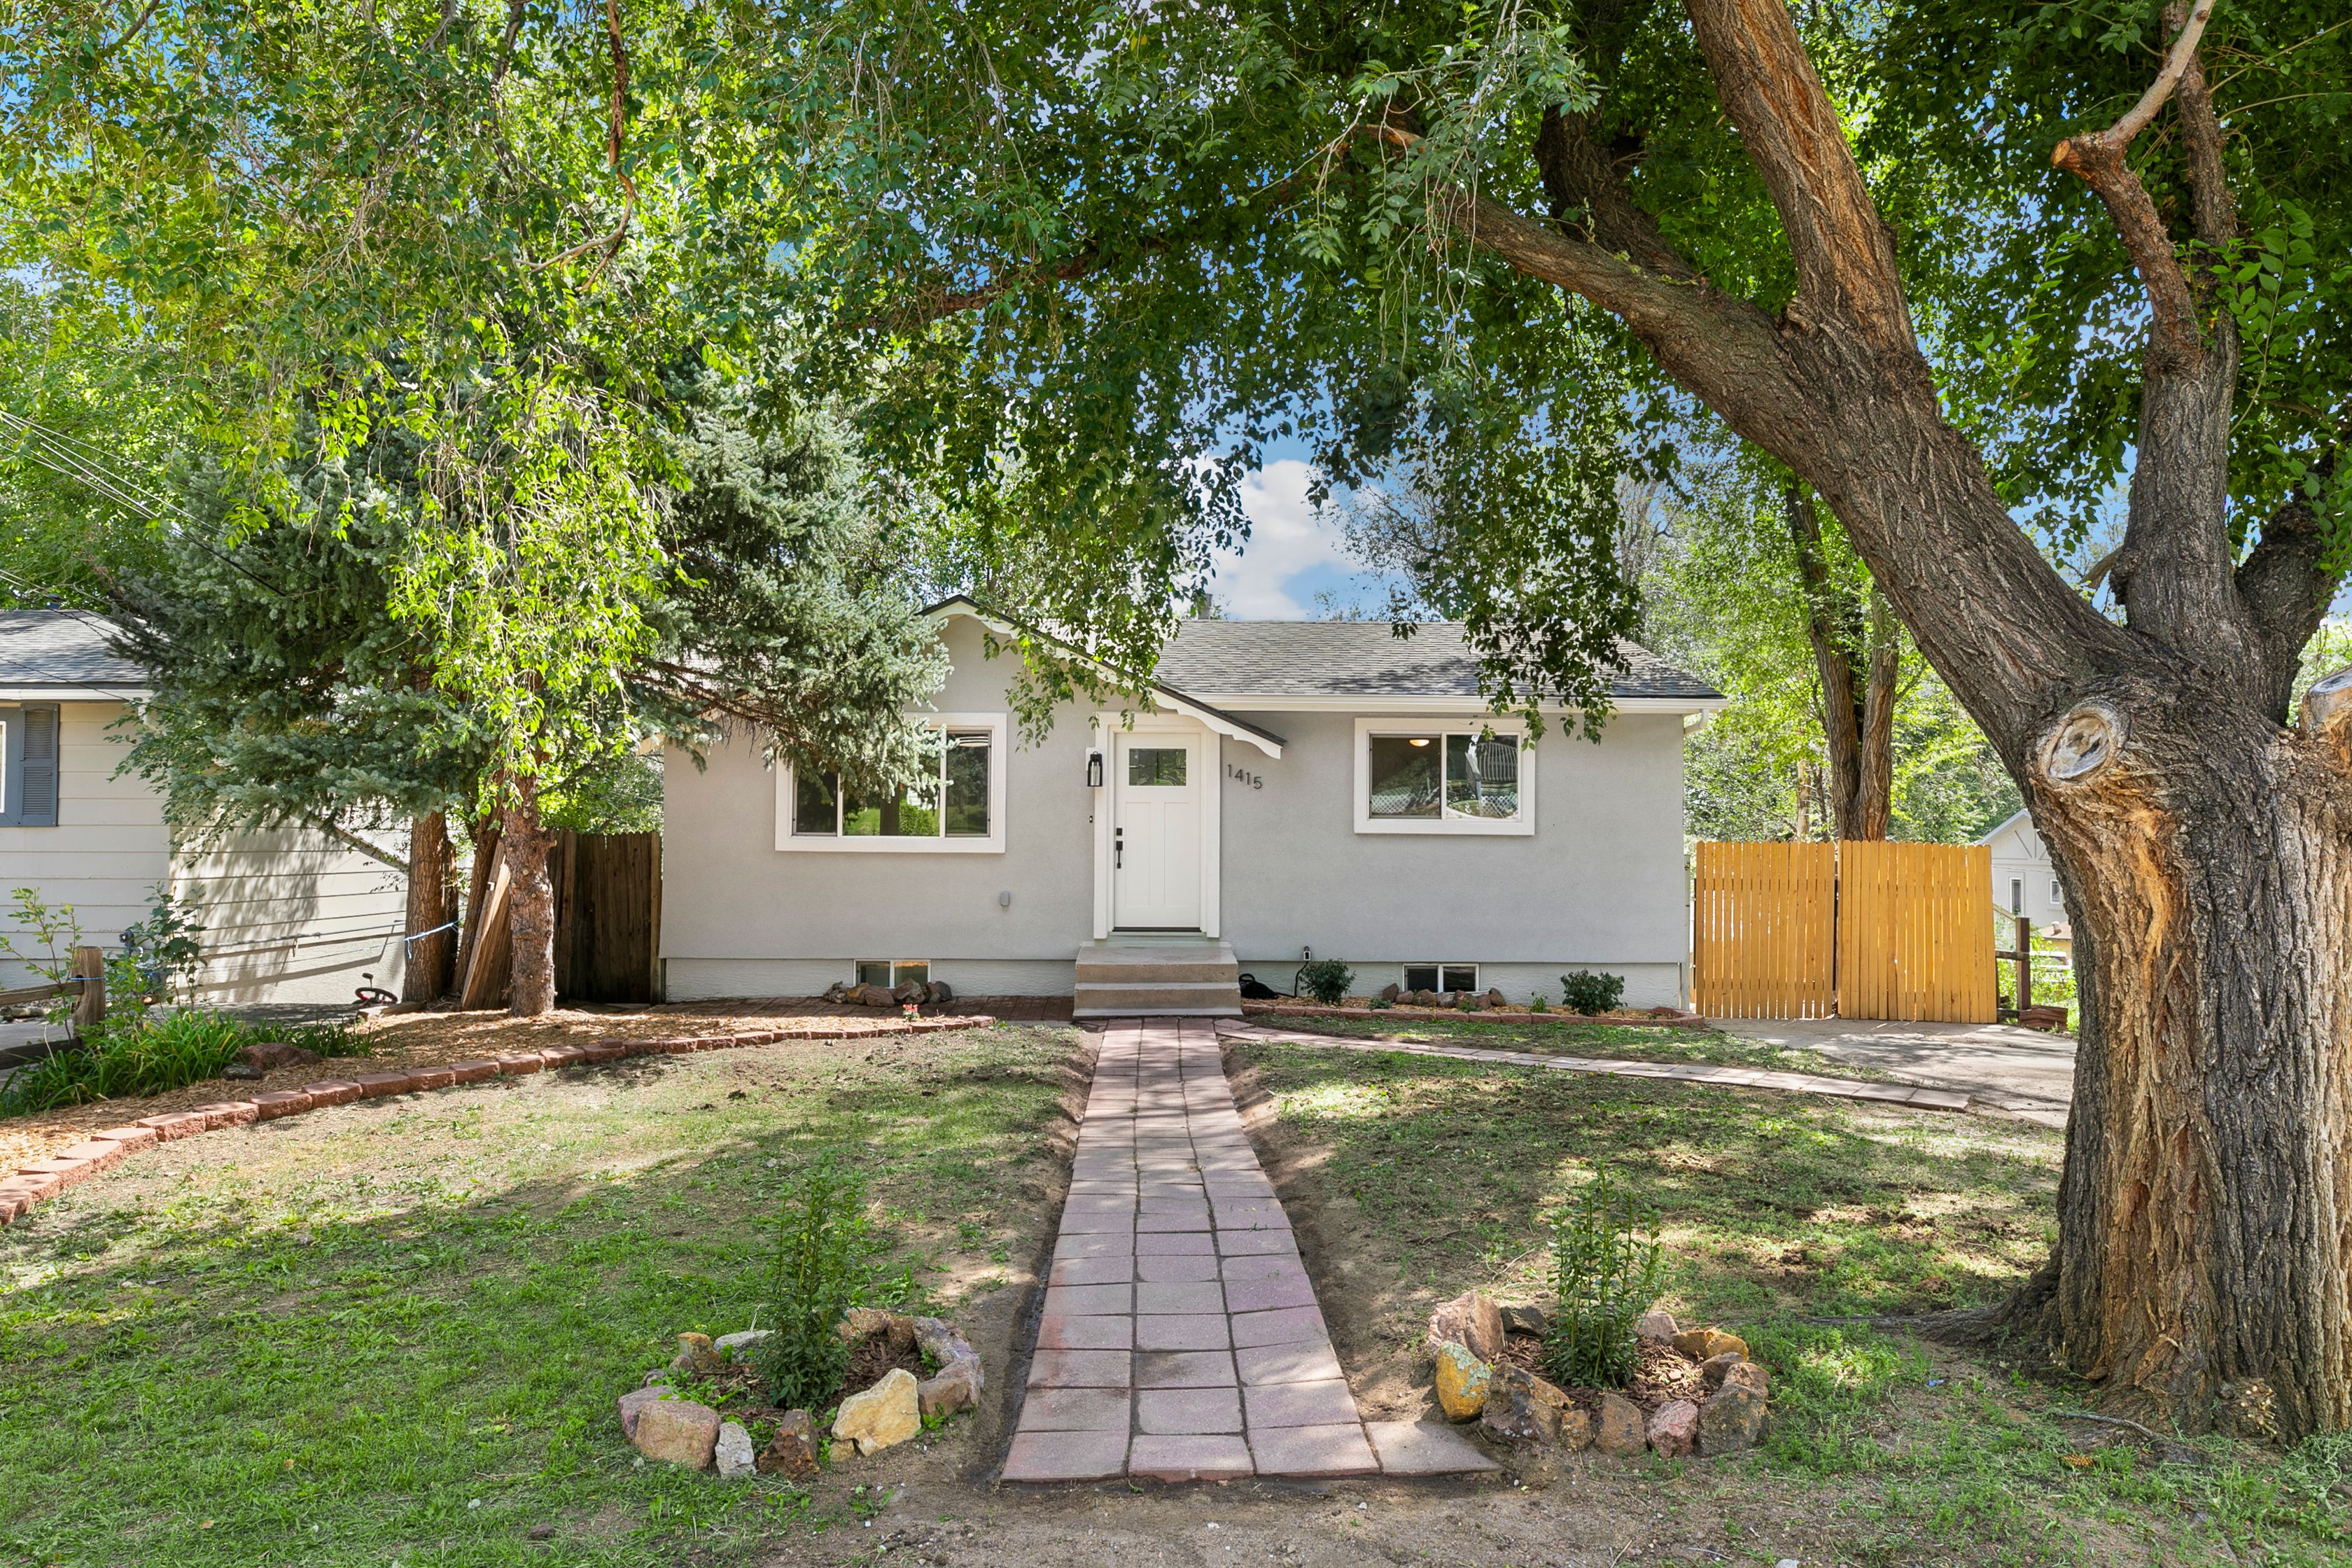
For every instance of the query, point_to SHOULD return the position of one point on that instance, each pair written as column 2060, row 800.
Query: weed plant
column 1606, row 1267
column 824, row 1257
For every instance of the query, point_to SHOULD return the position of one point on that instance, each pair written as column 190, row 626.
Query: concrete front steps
column 1158, row 977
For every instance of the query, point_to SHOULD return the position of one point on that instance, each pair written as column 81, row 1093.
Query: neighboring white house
column 289, row 915
column 2024, row 880
column 1323, row 787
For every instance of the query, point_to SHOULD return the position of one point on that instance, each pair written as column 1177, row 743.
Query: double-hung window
column 958, row 805
column 1436, row 777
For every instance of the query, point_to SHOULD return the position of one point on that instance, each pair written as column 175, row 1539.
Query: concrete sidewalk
column 2022, row 1071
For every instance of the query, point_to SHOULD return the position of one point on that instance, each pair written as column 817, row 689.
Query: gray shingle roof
column 62, row 648
column 1362, row 658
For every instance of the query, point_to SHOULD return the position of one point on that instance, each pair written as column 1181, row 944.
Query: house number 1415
column 1241, row 776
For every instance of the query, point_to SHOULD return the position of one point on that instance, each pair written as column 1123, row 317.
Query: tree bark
column 530, row 986
column 432, row 901
column 2204, row 1259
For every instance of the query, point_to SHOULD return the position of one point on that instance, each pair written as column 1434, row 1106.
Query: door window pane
column 1405, row 775
column 1482, row 777
column 1156, row 766
column 814, row 803
column 967, row 784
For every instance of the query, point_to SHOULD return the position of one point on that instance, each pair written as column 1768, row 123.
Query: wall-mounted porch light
column 1094, row 770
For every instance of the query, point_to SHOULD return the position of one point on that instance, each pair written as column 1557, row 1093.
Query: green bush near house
column 1326, row 980
column 1587, row 993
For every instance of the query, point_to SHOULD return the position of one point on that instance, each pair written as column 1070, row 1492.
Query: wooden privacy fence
column 1853, row 930
column 607, row 921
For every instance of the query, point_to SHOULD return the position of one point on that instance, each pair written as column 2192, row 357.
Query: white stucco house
column 289, row 915
column 2024, row 882
column 1321, row 788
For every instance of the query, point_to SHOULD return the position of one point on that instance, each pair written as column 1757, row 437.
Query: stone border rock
column 1490, row 1015
column 44, row 1179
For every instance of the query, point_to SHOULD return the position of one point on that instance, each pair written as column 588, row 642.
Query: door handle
column 1118, row 847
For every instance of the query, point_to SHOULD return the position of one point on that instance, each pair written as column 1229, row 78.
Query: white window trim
column 996, row 724
column 1520, row 827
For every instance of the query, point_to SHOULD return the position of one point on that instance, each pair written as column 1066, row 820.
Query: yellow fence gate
column 1851, row 930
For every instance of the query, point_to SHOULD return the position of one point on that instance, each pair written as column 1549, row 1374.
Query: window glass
column 1158, row 766
column 874, row 972
column 902, row 972
column 1405, row 776
column 1420, row 977
column 815, row 808
column 1461, row 977
column 967, row 784
column 1482, row 777
column 912, row 812
column 2017, row 895
column 2057, row 893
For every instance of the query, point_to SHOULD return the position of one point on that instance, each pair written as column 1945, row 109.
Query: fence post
column 2024, row 965
column 89, row 966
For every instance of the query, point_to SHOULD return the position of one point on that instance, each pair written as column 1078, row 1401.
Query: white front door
column 1156, row 784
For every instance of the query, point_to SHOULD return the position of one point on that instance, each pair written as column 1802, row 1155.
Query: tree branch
column 2287, row 589
column 1844, row 256
column 138, row 26
column 616, row 142
column 344, row 835
column 2096, row 158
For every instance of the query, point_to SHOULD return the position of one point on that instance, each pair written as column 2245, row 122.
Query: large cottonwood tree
column 1107, row 236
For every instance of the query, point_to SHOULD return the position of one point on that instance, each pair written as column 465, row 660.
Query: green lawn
column 395, row 1332
column 1630, row 1042
column 1775, row 1208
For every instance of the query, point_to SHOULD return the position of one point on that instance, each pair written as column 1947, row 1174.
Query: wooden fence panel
column 607, row 915
column 1913, row 937
column 1763, row 930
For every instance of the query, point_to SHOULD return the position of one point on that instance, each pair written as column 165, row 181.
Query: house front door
column 1156, row 786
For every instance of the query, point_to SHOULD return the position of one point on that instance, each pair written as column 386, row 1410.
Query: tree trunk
column 1856, row 660
column 477, row 884
column 431, row 901
column 2204, row 1262
column 530, row 986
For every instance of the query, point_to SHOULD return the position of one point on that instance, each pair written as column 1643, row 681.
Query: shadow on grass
column 399, row 1335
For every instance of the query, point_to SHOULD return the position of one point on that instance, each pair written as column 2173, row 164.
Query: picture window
column 957, row 804
column 1470, row 776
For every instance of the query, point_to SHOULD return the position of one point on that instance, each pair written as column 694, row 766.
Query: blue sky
column 1292, row 553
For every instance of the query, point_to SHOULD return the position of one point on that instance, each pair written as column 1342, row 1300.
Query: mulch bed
column 1656, row 1018
column 1660, row 1373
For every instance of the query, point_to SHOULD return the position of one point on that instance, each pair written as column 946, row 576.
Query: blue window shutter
column 36, row 788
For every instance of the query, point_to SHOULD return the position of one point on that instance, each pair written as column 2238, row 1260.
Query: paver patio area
column 1180, row 1338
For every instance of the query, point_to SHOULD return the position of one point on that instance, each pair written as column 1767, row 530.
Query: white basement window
column 1467, row 777
column 959, row 808
column 892, row 972
column 1440, row 977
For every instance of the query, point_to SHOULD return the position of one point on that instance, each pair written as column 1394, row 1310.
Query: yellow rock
column 1463, row 1381
column 1700, row 1344
column 887, row 1413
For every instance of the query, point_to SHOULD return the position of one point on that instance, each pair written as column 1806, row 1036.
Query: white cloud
column 1287, row 540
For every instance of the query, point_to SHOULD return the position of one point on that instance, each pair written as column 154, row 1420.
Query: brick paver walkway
column 1181, row 1339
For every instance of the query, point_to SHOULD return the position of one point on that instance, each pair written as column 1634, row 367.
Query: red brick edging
column 1297, row 1010
column 71, row 1166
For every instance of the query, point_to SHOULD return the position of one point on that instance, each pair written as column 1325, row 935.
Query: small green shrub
column 1606, row 1263
column 1587, row 993
column 823, row 1254
column 1538, row 1004
column 132, row 1053
column 1326, row 980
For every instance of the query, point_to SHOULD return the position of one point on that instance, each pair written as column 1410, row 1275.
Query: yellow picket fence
column 1851, row 930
